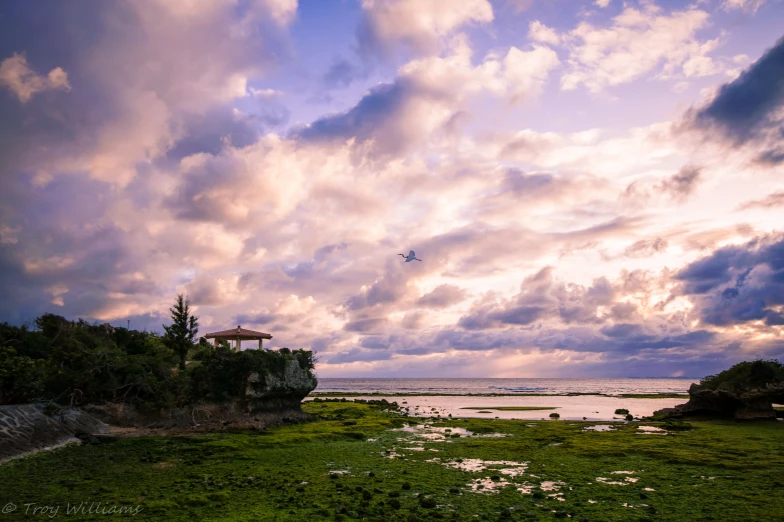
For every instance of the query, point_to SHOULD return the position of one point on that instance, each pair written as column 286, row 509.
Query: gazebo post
column 259, row 343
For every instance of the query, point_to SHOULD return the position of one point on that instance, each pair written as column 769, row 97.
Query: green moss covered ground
column 723, row 471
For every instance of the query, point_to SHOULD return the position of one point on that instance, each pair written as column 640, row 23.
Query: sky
column 595, row 188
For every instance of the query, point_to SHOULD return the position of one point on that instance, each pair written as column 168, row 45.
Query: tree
column 180, row 335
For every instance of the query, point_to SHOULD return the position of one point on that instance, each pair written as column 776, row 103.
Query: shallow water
column 594, row 408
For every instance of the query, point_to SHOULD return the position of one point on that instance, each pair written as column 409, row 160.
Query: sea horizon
column 504, row 385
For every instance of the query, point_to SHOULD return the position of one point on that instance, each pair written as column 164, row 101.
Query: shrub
column 555, row 416
column 629, row 417
column 745, row 375
column 621, row 411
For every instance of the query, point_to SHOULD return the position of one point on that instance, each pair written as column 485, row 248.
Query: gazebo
column 238, row 335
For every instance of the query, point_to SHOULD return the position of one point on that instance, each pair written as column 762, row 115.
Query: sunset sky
column 596, row 188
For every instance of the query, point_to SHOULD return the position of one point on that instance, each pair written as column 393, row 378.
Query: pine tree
column 180, row 335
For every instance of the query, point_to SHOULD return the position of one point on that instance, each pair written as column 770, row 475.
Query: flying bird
column 411, row 256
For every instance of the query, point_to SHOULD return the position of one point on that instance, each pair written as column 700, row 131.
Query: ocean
column 469, row 397
column 490, row 386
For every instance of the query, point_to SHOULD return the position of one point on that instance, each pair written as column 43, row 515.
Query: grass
column 511, row 408
column 721, row 471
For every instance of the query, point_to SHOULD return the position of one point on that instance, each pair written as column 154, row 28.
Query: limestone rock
column 272, row 391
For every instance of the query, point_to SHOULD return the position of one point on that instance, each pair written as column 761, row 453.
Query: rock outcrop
column 742, row 403
column 27, row 428
column 270, row 391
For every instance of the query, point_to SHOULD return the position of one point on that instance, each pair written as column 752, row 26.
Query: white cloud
column 25, row 83
column 637, row 43
column 421, row 24
column 602, row 3
column 750, row 6
column 539, row 32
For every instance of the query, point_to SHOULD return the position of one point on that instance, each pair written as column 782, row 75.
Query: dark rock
column 747, row 391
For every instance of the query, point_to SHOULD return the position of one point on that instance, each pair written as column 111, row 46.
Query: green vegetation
column 348, row 465
column 76, row 363
column 180, row 335
column 511, row 408
column 745, row 375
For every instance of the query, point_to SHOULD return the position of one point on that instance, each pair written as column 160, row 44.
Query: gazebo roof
column 238, row 333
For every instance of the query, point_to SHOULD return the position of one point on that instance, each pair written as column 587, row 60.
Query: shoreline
column 571, row 394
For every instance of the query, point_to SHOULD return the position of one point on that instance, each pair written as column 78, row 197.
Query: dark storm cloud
column 744, row 109
column 442, row 296
column 738, row 284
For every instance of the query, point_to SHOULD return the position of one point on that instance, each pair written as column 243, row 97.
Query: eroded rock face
column 742, row 404
column 269, row 391
column 26, row 428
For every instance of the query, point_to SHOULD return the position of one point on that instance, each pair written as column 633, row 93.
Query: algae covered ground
column 358, row 463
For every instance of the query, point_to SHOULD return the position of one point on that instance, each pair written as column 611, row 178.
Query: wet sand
column 594, row 408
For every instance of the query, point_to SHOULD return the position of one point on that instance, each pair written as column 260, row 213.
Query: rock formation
column 747, row 391
column 26, row 428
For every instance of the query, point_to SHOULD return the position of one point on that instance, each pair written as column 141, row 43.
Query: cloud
column 428, row 94
column 750, row 6
column 749, row 109
column 365, row 325
column 678, row 187
column 638, row 43
column 419, row 25
column 646, row 247
column 775, row 199
column 738, row 284
column 442, row 296
column 24, row 82
column 539, row 32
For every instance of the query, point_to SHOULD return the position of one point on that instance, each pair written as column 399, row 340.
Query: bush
column 555, row 416
column 76, row 363
column 745, row 376
column 621, row 411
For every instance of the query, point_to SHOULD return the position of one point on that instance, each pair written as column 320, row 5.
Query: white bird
column 411, row 256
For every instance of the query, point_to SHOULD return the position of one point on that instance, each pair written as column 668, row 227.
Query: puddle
column 626, row 481
column 551, row 486
column 477, row 465
column 622, row 473
column 651, row 429
column 648, row 489
column 591, row 501
column 372, row 440
column 339, row 472
column 418, row 448
column 599, row 427
column 486, row 485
